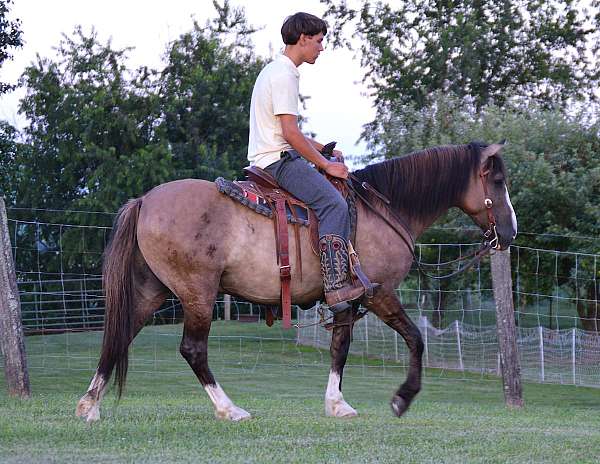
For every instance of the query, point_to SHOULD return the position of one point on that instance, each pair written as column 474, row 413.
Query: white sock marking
column 88, row 407
column 334, row 400
column 224, row 407
column 333, row 392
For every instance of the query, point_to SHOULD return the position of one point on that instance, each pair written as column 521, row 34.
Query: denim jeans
column 294, row 174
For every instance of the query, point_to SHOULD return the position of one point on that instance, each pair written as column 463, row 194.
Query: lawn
column 165, row 416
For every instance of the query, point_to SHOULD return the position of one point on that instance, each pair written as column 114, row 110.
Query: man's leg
column 296, row 176
column 303, row 181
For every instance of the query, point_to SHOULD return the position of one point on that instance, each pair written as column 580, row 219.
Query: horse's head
column 487, row 200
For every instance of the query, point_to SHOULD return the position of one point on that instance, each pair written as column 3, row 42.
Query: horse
column 187, row 238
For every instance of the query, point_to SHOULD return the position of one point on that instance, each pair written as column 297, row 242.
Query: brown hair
column 301, row 23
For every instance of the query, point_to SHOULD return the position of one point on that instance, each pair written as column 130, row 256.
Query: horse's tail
column 117, row 281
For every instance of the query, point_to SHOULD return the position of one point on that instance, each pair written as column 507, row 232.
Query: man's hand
column 336, row 169
column 337, row 154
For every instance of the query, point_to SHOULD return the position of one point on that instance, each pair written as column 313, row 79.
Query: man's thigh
column 304, row 182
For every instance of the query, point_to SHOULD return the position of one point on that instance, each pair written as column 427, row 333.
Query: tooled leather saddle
column 262, row 186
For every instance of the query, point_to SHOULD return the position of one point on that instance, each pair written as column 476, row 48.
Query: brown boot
column 339, row 289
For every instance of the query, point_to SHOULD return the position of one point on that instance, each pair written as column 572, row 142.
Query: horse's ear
column 491, row 150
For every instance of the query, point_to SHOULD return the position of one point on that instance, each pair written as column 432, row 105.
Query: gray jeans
column 303, row 181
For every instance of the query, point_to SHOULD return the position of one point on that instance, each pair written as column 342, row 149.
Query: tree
column 205, row 91
column 540, row 50
column 90, row 126
column 99, row 133
column 10, row 37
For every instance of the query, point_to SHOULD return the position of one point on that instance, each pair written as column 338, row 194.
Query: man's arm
column 318, row 146
column 308, row 148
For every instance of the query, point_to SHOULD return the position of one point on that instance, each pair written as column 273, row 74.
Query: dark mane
column 426, row 182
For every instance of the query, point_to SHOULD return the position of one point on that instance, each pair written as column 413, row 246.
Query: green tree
column 99, row 133
column 205, row 91
column 539, row 50
column 87, row 119
column 10, row 37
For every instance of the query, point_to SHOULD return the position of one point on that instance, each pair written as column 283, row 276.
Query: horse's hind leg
column 194, row 348
column 150, row 293
column 335, row 405
column 387, row 307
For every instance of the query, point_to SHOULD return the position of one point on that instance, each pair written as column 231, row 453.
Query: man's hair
column 301, row 23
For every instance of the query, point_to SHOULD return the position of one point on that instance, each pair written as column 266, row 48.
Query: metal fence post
column 573, row 358
column 541, row 334
column 425, row 325
column 227, row 307
column 459, row 346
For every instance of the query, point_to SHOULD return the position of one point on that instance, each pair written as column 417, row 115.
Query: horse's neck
column 418, row 225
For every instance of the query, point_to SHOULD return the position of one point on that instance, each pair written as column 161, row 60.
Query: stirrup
column 340, row 307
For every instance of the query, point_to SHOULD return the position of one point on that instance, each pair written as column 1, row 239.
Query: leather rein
column 490, row 235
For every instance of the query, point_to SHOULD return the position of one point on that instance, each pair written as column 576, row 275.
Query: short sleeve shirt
column 276, row 92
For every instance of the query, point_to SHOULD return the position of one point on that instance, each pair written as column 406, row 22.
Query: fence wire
column 58, row 264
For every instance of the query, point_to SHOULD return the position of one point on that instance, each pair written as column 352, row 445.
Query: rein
column 490, row 235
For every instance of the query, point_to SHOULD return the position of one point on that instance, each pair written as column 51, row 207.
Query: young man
column 277, row 145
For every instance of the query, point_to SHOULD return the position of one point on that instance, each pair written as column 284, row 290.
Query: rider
column 277, row 145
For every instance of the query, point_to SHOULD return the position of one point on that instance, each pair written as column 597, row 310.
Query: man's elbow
column 289, row 133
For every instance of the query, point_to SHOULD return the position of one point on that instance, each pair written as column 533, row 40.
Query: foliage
column 540, row 50
column 205, row 92
column 99, row 133
column 10, row 37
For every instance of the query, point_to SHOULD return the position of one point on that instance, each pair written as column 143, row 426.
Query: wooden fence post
column 11, row 330
column 505, row 325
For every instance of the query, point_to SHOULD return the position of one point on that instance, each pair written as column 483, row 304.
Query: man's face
column 312, row 45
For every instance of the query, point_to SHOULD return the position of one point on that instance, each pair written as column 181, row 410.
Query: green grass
column 165, row 416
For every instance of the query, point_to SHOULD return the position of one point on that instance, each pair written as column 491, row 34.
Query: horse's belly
column 252, row 271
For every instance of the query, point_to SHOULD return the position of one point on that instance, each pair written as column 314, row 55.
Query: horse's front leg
column 388, row 308
column 335, row 405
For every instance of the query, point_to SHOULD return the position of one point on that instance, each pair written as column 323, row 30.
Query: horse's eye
column 499, row 180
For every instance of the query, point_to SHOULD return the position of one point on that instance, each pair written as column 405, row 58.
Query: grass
column 166, row 417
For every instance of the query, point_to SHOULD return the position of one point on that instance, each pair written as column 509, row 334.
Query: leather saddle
column 263, row 187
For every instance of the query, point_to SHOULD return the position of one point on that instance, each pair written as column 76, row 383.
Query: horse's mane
column 426, row 182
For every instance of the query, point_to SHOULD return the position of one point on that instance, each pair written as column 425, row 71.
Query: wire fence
column 58, row 263
column 568, row 356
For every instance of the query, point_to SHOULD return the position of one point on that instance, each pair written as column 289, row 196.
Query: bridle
column 491, row 235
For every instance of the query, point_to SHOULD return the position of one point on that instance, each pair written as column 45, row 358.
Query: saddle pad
column 257, row 203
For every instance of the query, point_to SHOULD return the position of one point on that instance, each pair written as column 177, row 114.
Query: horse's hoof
column 340, row 409
column 399, row 405
column 233, row 414
column 88, row 409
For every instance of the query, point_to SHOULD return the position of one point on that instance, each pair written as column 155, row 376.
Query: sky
column 338, row 107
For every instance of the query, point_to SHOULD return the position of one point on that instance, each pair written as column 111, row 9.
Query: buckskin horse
column 187, row 238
